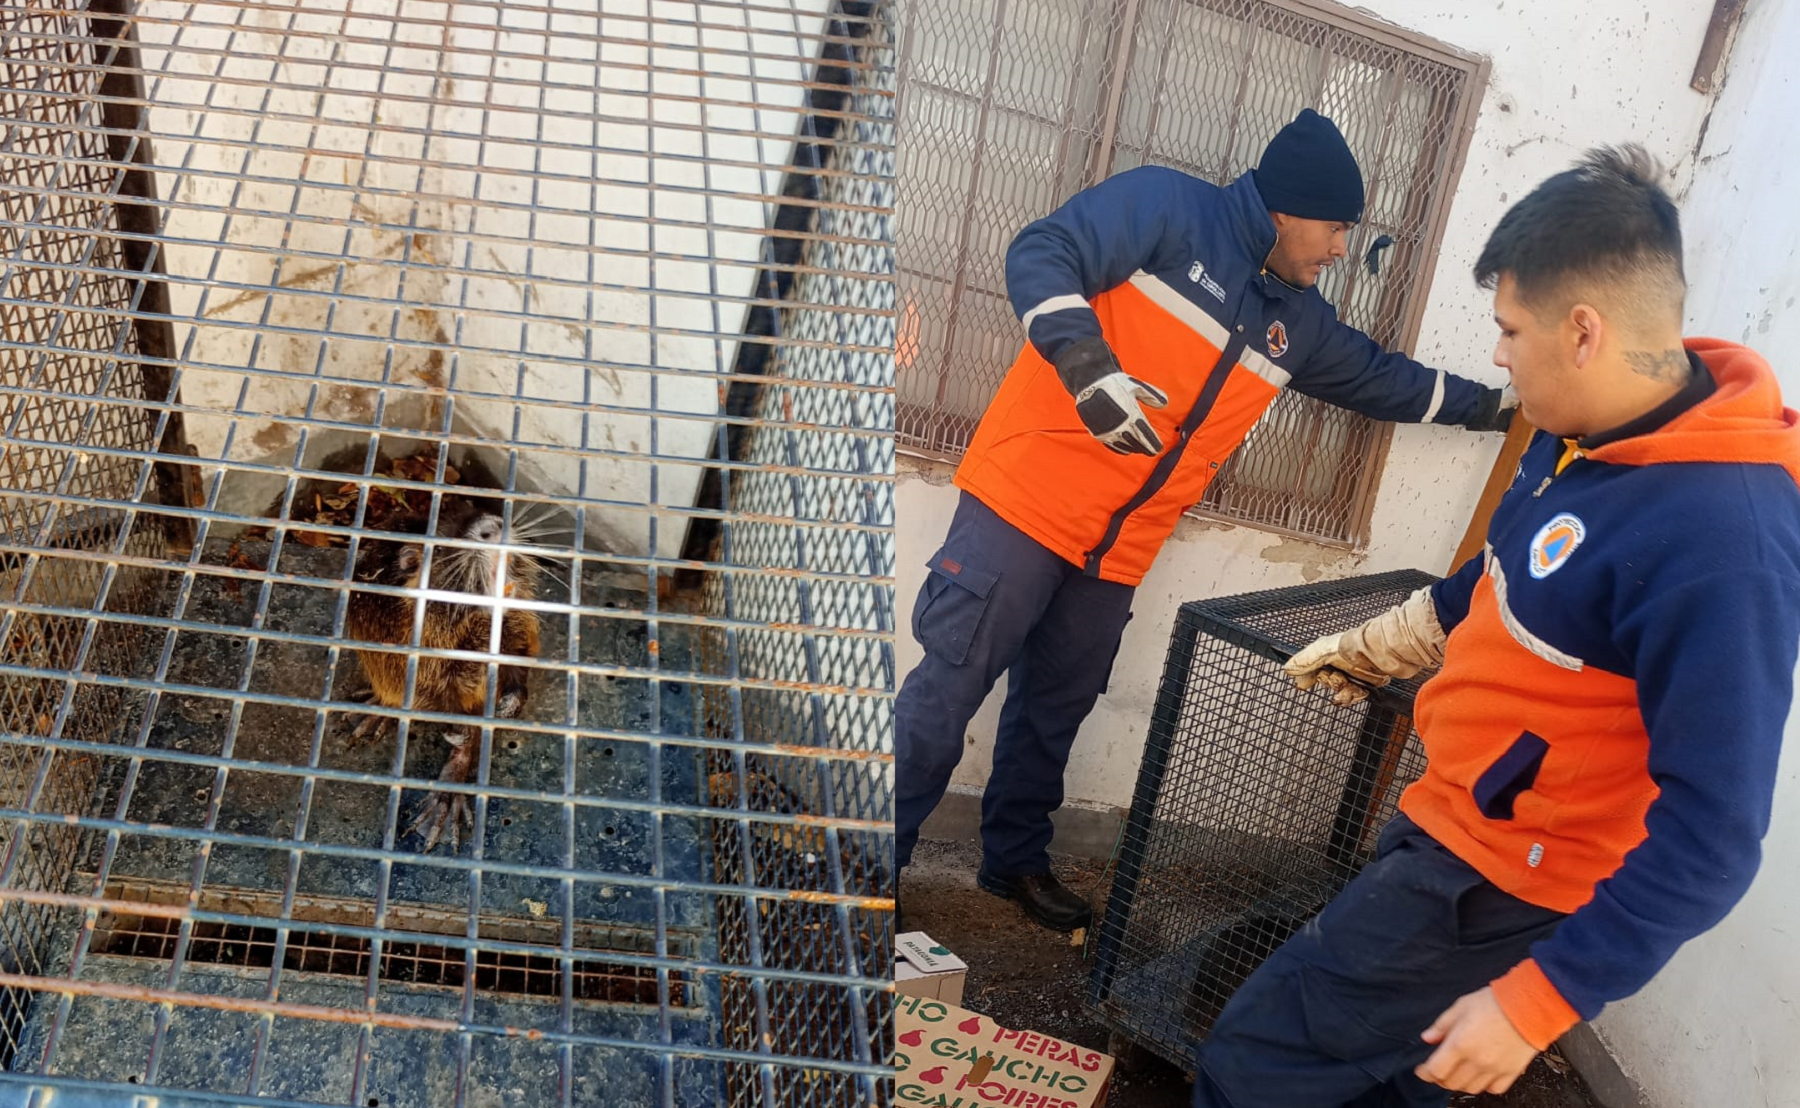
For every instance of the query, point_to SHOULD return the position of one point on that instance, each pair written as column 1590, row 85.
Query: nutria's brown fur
column 444, row 684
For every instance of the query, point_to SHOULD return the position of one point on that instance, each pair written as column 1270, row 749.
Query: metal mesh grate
column 424, row 961
column 1009, row 108
column 839, row 574
column 526, row 368
column 1254, row 805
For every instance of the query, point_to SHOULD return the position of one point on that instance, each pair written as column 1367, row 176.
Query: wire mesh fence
column 1255, row 803
column 838, row 574
column 1008, row 108
column 445, row 533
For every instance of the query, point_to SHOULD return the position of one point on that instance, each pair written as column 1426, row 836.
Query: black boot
column 1045, row 899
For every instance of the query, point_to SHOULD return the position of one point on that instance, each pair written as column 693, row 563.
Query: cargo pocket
column 950, row 607
column 1512, row 774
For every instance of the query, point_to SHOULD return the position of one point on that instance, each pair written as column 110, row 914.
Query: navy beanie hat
column 1308, row 171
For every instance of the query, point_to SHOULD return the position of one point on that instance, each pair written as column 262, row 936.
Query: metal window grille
column 1009, row 107
column 274, row 276
column 1255, row 803
column 815, row 459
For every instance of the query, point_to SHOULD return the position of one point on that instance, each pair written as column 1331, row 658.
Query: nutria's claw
column 370, row 727
column 443, row 809
column 450, row 808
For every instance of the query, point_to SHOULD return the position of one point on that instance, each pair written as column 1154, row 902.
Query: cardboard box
column 923, row 968
column 949, row 1057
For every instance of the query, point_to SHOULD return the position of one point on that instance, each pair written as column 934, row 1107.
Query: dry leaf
column 240, row 560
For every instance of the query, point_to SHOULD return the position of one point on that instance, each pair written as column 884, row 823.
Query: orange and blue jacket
column 1169, row 270
column 1603, row 734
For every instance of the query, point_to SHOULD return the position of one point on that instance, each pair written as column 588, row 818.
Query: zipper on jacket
column 1571, row 454
column 1265, row 271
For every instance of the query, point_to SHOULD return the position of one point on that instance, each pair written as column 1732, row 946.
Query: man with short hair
column 1162, row 315
column 1616, row 669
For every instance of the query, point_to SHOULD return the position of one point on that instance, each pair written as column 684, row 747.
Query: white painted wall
column 524, row 156
column 1565, row 76
column 1720, row 1024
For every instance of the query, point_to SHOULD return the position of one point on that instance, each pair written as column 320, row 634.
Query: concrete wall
column 1719, row 1025
column 491, row 212
column 1564, row 77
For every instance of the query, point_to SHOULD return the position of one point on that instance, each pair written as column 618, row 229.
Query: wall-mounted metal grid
column 1255, row 803
column 837, row 573
column 279, row 281
column 1010, row 107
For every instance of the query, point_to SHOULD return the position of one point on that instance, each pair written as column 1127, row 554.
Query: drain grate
column 406, row 960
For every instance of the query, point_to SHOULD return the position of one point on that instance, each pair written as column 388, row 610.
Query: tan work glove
column 1397, row 643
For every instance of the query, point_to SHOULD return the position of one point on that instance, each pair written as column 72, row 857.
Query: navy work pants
column 996, row 601
column 1332, row 1019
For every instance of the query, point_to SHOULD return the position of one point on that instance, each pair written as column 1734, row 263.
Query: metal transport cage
column 469, row 417
column 1255, row 803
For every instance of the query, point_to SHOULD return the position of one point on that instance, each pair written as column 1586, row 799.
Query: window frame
column 1121, row 31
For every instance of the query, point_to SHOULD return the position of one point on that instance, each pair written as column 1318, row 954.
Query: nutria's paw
column 370, row 727
column 444, row 809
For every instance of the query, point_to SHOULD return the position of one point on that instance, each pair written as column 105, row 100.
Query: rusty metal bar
column 1721, row 31
column 395, row 1020
column 129, row 145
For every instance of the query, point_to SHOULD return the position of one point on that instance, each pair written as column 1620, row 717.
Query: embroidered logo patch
column 1277, row 337
column 1197, row 273
column 1554, row 542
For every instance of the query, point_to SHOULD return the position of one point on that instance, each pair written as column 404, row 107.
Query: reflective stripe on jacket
column 1169, row 270
column 1604, row 735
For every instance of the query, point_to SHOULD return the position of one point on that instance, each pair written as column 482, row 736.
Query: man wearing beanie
column 1162, row 315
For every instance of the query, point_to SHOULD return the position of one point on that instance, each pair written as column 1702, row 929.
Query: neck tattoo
column 1663, row 365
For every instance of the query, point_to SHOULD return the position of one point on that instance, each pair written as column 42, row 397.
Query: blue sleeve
column 1351, row 370
column 1452, row 594
column 1094, row 242
column 1715, row 664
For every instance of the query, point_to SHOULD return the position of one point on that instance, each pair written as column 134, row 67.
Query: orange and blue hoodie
column 1602, row 738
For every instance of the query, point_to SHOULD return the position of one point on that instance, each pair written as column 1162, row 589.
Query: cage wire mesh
column 1255, row 803
column 460, row 417
column 1009, row 107
column 836, row 374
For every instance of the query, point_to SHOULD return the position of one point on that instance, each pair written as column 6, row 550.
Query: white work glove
column 1109, row 400
column 1397, row 643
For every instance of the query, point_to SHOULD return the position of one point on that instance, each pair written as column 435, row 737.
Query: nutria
column 444, row 684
